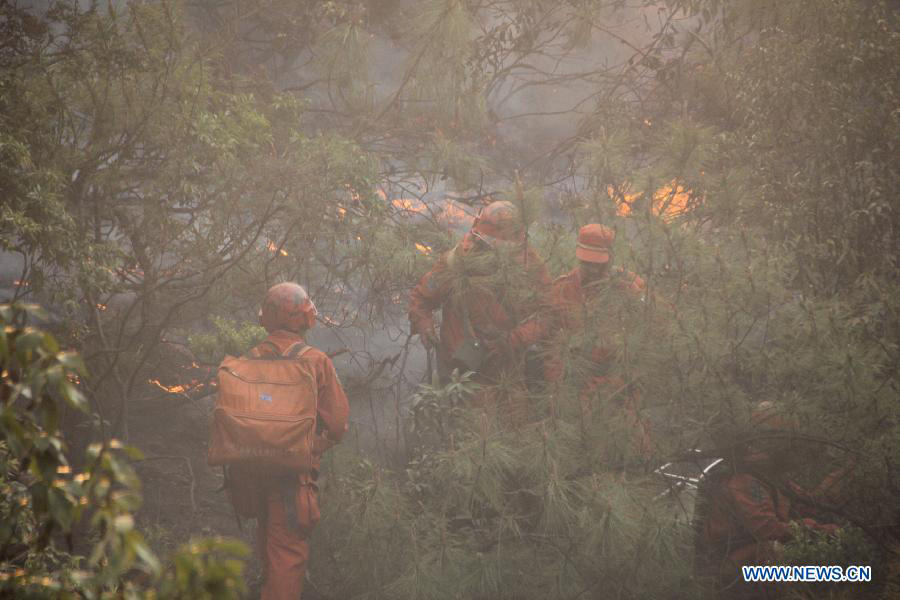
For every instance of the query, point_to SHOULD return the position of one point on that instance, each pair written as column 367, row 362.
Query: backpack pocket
column 255, row 438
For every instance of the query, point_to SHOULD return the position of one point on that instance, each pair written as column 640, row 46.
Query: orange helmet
column 498, row 221
column 287, row 306
column 770, row 434
column 595, row 243
column 765, row 417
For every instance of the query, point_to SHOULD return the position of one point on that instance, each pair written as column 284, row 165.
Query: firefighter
column 588, row 304
column 745, row 508
column 488, row 324
column 285, row 503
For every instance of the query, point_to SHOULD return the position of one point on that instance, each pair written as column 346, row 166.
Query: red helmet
column 287, row 306
column 498, row 221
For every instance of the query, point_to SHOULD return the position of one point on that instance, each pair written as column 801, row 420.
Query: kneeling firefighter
column 745, row 507
column 279, row 408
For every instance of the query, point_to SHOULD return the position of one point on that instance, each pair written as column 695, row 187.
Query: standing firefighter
column 489, row 288
column 745, row 508
column 590, row 305
column 279, row 408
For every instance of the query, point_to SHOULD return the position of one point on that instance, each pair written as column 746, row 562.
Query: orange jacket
column 489, row 317
column 569, row 302
column 742, row 518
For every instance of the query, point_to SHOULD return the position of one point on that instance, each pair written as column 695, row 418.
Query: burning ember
column 194, row 384
column 198, row 381
column 133, row 274
column 354, row 195
column 426, row 250
column 174, row 389
column 329, row 321
column 274, row 249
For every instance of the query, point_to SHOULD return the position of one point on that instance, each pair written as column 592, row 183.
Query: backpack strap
column 256, row 353
column 296, row 350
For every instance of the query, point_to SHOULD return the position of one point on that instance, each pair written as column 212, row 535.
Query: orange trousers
column 283, row 549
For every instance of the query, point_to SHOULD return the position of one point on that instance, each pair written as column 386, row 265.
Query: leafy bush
column 47, row 495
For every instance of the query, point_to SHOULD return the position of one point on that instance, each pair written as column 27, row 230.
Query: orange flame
column 274, row 249
column 101, row 307
column 453, row 214
column 413, row 205
column 180, row 388
column 354, row 195
column 671, row 200
column 21, row 283
column 623, row 201
column 668, row 202
column 426, row 250
column 173, row 389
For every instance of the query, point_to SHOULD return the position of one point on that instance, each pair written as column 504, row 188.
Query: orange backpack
column 265, row 412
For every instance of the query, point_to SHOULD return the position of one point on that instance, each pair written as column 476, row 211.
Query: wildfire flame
column 274, row 249
column 453, row 214
column 172, row 389
column 668, row 202
column 101, row 307
column 21, row 283
column 409, row 205
column 426, row 250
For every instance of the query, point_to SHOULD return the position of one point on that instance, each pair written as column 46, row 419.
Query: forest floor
column 183, row 496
